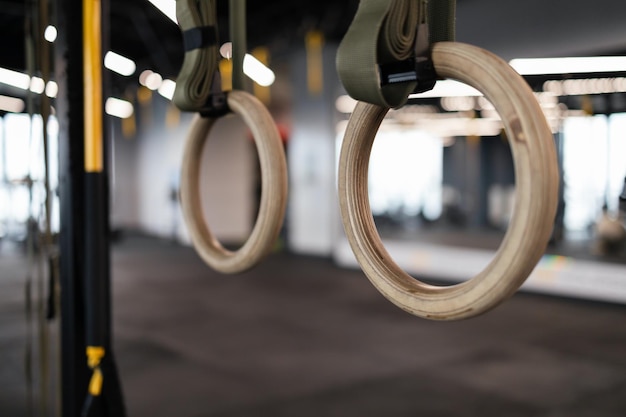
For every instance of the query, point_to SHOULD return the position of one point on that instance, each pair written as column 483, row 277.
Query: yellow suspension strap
column 104, row 395
column 198, row 89
column 385, row 54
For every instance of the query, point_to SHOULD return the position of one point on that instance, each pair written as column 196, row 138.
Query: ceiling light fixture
column 52, row 89
column 167, row 89
column 153, row 81
column 50, row 34
column 449, row 88
column 167, row 7
column 14, row 79
column 589, row 86
column 579, row 65
column 257, row 71
column 11, row 104
column 37, row 85
column 118, row 108
column 120, row 64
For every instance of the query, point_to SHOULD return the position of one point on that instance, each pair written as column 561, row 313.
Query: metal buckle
column 419, row 68
column 217, row 102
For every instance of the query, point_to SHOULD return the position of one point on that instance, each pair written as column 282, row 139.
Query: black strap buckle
column 419, row 68
column 217, row 103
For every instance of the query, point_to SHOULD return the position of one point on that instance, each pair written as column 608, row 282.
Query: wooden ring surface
column 535, row 199
column 273, row 194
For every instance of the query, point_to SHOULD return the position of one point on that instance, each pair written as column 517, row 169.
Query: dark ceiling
column 532, row 28
column 141, row 32
column 276, row 24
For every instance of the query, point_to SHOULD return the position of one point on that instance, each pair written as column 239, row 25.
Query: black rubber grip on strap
column 199, row 37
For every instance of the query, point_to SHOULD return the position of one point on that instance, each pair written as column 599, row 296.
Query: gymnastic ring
column 535, row 203
column 273, row 181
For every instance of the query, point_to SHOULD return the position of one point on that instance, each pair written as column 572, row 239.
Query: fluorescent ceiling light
column 589, row 86
column 52, row 89
column 24, row 82
column 545, row 66
column 50, row 34
column 118, row 108
column 257, row 71
column 144, row 76
column 11, row 104
column 37, row 85
column 167, row 7
column 444, row 88
column 226, row 50
column 150, row 79
column 449, row 88
column 120, row 64
column 14, row 79
column 167, row 89
column 153, row 81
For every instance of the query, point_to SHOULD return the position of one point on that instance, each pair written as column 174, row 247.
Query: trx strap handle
column 379, row 57
column 536, row 193
column 198, row 77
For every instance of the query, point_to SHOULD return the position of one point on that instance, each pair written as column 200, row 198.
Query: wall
column 313, row 210
column 542, row 28
column 147, row 172
column 124, row 198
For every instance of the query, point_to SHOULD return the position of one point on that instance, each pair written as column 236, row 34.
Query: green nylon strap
column 194, row 82
column 384, row 32
column 442, row 20
column 237, row 9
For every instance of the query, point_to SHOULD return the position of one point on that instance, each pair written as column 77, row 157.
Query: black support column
column 84, row 236
column 69, row 110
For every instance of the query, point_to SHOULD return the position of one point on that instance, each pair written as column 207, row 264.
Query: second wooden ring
column 273, row 181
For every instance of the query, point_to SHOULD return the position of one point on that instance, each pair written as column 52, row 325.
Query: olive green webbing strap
column 384, row 32
column 442, row 20
column 199, row 75
column 198, row 22
column 237, row 10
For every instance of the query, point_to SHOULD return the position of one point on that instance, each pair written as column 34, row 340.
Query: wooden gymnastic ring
column 273, row 193
column 535, row 203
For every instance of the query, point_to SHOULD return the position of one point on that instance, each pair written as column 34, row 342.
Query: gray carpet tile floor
column 298, row 336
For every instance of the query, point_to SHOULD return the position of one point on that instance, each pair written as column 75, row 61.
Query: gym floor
column 299, row 337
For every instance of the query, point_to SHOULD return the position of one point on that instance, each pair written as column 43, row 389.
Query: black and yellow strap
column 376, row 60
column 104, row 383
column 95, row 354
